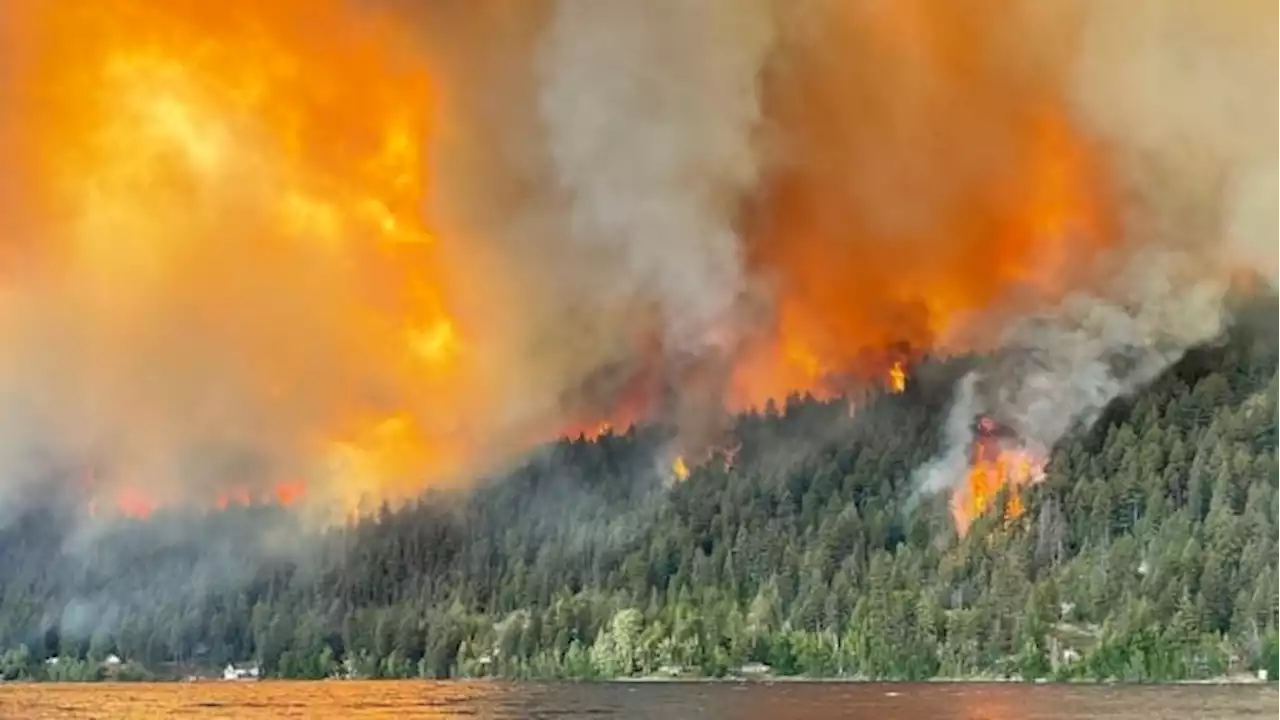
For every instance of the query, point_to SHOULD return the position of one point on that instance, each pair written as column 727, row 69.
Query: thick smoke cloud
column 1184, row 96
column 376, row 245
column 1184, row 92
column 921, row 164
column 649, row 110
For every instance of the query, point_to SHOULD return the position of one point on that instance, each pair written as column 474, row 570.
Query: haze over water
column 668, row 701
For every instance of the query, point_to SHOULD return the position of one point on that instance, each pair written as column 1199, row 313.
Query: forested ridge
column 1149, row 552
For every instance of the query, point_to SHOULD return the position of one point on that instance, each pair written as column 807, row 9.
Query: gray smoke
column 601, row 206
column 1059, row 369
column 1184, row 94
column 649, row 110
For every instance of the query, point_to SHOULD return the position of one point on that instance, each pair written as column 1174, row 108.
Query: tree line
column 1149, row 552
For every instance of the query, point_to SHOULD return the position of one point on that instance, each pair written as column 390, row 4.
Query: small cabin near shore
column 240, row 672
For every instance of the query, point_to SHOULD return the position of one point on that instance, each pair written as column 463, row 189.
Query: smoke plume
column 649, row 110
column 1183, row 97
column 330, row 252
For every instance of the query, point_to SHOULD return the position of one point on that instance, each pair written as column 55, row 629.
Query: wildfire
column 133, row 503
column 996, row 465
column 240, row 185
column 852, row 250
column 897, row 378
column 679, row 469
column 242, row 166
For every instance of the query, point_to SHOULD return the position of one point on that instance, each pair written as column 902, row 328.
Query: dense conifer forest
column 1149, row 552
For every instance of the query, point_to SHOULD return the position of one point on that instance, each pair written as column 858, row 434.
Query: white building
column 231, row 672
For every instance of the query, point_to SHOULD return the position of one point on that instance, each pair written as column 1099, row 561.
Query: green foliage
column 1149, row 553
column 16, row 663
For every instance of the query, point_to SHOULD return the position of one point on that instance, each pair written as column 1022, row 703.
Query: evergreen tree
column 1148, row 552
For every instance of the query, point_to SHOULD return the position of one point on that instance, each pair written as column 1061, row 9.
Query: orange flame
column 977, row 181
column 134, row 503
column 994, row 468
column 290, row 493
column 163, row 143
column 679, row 468
column 178, row 155
column 897, row 378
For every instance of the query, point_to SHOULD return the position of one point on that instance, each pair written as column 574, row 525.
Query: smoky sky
column 384, row 245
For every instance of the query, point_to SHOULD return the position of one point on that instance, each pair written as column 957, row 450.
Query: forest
column 1147, row 553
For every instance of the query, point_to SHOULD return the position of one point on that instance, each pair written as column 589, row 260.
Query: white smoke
column 1184, row 94
column 1060, row 369
column 943, row 472
column 649, row 111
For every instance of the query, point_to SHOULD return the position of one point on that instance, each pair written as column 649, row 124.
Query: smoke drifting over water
column 336, row 251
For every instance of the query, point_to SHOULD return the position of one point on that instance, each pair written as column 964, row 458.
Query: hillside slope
column 1148, row 552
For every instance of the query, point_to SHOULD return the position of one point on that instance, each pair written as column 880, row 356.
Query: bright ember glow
column 679, row 469
column 996, row 465
column 897, row 378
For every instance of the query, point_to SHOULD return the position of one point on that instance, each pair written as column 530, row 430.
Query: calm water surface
column 668, row 701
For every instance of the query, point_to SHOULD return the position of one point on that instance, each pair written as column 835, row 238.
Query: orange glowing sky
column 958, row 180
column 251, row 174
column 223, row 203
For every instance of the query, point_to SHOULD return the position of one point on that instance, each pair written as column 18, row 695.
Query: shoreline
column 1236, row 680
column 770, row 680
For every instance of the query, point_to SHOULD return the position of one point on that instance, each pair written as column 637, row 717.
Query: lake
column 665, row 701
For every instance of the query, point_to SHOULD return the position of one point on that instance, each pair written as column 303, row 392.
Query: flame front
column 964, row 181
column 218, row 208
column 679, row 468
column 995, row 467
column 239, row 185
column 897, row 378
